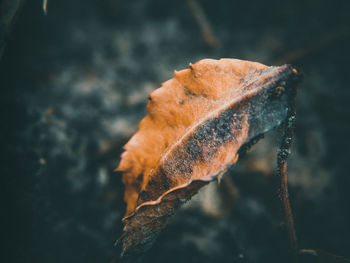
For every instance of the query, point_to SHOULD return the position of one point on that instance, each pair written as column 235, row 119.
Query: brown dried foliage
column 196, row 124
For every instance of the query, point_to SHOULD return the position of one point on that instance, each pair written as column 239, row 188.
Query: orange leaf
column 196, row 124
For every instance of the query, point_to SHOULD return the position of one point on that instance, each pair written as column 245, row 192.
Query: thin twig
column 324, row 256
column 202, row 21
column 318, row 44
column 9, row 11
column 45, row 7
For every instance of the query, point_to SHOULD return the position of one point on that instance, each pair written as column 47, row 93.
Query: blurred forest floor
column 74, row 85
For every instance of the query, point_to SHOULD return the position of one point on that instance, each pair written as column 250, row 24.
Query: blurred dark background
column 74, row 85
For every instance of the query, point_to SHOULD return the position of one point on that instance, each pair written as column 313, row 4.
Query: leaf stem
column 282, row 157
column 288, row 212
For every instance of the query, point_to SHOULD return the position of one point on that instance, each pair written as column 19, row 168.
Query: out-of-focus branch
column 319, row 44
column 45, row 6
column 9, row 10
column 322, row 256
column 202, row 21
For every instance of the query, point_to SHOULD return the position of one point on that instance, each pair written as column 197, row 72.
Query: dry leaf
column 196, row 124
